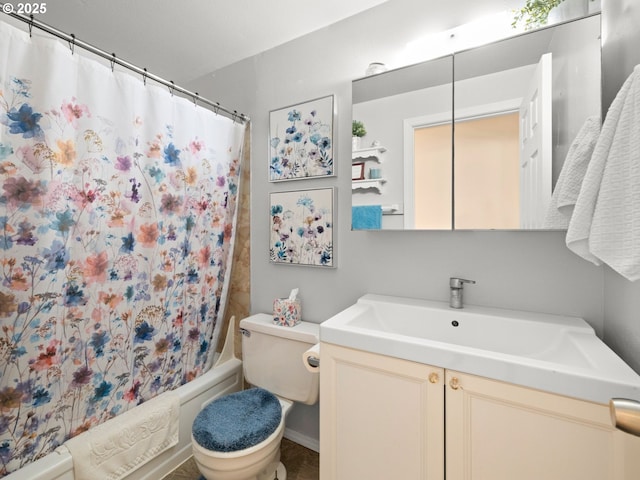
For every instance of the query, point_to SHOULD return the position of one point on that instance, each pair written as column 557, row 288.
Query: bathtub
column 225, row 377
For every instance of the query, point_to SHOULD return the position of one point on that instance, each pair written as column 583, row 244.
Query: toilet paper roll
column 311, row 358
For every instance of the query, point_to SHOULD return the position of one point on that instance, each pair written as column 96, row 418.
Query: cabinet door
column 498, row 431
column 380, row 417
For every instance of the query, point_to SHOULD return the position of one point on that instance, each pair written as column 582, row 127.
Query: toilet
column 237, row 436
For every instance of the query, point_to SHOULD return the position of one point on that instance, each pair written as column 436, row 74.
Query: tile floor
column 301, row 463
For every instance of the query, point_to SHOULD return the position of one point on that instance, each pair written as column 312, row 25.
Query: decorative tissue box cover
column 286, row 312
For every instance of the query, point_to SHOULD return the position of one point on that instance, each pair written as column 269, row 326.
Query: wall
column 521, row 270
column 620, row 54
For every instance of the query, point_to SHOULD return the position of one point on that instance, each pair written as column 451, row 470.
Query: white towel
column 605, row 226
column 114, row 449
column 565, row 193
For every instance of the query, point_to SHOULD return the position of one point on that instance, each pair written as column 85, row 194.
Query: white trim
column 488, row 110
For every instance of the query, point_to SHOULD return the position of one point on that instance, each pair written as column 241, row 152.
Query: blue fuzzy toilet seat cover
column 237, row 421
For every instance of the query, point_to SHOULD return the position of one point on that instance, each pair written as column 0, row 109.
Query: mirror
column 449, row 141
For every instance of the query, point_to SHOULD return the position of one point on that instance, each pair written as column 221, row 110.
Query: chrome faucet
column 455, row 287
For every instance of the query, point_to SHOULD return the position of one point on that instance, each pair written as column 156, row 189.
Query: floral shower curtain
column 117, row 209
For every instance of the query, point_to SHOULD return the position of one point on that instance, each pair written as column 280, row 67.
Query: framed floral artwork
column 302, row 227
column 301, row 140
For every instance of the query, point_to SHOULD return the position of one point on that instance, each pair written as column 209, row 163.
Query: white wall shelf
column 375, row 184
column 371, row 153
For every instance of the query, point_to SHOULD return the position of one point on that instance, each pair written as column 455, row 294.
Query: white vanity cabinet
column 383, row 417
column 500, row 431
column 380, row 417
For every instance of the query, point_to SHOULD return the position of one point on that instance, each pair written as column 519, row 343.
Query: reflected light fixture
column 481, row 31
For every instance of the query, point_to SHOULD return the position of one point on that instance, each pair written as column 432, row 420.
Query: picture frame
column 301, row 140
column 357, row 171
column 302, row 227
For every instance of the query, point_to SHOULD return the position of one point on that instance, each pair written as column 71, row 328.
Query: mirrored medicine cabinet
column 476, row 140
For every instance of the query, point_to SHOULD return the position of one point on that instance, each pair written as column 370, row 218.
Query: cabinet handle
column 454, row 383
column 434, row 378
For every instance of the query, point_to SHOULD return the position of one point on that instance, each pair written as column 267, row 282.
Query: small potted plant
column 534, row 13
column 357, row 131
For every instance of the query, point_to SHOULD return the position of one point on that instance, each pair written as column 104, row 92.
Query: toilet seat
column 237, row 421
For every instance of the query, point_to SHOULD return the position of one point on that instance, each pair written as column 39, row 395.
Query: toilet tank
column 272, row 357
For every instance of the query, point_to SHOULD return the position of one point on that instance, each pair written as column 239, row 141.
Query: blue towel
column 366, row 217
column 237, row 421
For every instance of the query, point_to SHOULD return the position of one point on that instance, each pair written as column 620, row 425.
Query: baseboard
column 304, row 440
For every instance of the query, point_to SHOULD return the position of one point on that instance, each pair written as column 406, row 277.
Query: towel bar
column 389, row 209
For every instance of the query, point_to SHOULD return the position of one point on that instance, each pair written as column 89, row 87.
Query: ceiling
column 182, row 40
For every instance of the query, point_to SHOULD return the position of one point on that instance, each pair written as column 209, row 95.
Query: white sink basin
column 549, row 352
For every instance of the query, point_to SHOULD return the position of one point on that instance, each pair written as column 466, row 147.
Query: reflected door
column 535, row 147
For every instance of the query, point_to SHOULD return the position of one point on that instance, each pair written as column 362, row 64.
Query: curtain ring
column 72, row 44
column 195, row 99
column 113, row 62
column 216, row 108
column 144, row 77
column 30, row 26
column 235, row 116
column 172, row 87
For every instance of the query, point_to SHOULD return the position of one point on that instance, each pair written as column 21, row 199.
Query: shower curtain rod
column 73, row 42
